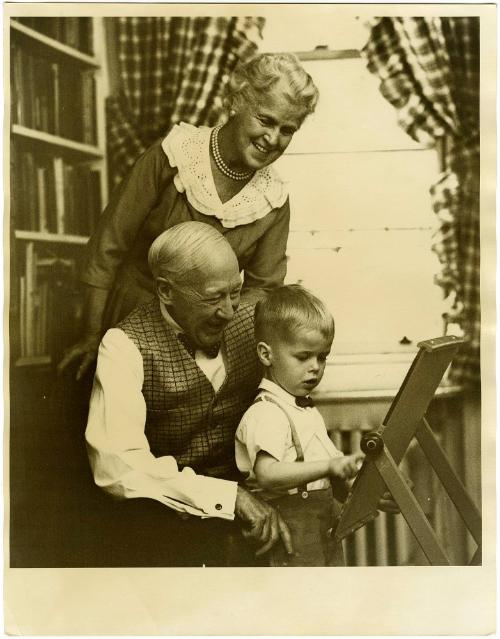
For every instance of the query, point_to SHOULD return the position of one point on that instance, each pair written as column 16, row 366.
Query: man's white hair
column 185, row 248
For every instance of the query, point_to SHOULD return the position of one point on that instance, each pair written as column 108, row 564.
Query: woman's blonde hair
column 252, row 80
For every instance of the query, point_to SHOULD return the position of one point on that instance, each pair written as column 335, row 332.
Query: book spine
column 28, row 89
column 41, row 174
column 31, row 190
column 51, row 197
column 44, row 91
column 30, row 292
column 17, row 86
column 15, row 186
column 69, row 195
column 22, row 314
column 89, row 118
column 70, row 103
column 60, row 194
column 37, row 93
column 56, row 106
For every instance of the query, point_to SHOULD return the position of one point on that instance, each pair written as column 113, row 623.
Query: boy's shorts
column 311, row 521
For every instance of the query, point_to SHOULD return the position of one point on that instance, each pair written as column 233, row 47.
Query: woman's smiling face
column 263, row 129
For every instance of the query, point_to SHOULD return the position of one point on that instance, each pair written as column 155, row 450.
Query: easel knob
column 372, row 444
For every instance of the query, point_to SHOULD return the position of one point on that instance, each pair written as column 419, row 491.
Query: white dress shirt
column 265, row 426
column 119, row 452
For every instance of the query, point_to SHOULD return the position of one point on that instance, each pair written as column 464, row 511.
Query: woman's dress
column 171, row 183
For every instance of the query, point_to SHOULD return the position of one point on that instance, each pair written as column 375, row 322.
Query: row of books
column 73, row 31
column 49, row 309
column 52, row 195
column 54, row 97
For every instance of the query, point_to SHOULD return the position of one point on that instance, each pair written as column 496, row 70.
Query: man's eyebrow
column 210, row 290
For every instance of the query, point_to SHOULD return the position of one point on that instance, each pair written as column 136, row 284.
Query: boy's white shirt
column 265, row 427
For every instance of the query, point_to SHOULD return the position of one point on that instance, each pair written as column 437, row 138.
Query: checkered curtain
column 429, row 71
column 171, row 70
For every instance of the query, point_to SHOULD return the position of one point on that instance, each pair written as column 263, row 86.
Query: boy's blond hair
column 289, row 308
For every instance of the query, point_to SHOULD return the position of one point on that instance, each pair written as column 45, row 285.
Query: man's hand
column 388, row 505
column 261, row 522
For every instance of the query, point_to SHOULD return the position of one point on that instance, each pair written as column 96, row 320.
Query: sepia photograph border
column 381, row 601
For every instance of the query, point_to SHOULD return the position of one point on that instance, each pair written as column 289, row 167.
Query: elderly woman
column 221, row 176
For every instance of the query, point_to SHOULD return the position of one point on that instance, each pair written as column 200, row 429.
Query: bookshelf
column 58, row 177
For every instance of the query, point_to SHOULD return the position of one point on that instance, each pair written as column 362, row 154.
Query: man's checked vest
column 186, row 418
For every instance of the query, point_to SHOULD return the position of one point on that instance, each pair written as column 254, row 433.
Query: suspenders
column 295, row 438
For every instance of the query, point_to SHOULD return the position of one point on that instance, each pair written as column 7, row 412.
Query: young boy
column 281, row 442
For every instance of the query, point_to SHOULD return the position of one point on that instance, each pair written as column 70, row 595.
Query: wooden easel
column 386, row 447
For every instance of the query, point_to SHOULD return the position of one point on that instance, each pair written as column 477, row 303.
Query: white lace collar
column 187, row 148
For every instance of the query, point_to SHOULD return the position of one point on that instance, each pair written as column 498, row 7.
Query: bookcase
column 58, row 177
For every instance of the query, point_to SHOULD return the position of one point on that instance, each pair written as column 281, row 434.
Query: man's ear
column 265, row 353
column 164, row 290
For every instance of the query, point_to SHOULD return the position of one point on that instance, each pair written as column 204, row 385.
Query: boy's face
column 298, row 364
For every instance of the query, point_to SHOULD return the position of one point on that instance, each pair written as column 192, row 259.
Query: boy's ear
column 265, row 353
column 164, row 290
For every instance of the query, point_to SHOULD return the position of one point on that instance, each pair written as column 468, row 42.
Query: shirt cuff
column 218, row 498
column 201, row 496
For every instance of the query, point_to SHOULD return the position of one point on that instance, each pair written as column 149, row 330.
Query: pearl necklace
column 221, row 165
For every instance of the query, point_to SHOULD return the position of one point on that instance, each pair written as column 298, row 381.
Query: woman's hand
column 346, row 467
column 84, row 352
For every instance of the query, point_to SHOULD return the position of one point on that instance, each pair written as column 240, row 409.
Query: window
column 362, row 223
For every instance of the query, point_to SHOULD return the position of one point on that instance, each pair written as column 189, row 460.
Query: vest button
column 218, row 506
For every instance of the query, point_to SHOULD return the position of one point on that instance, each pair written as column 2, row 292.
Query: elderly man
column 172, row 381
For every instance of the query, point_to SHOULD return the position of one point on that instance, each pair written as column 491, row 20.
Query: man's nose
column 225, row 310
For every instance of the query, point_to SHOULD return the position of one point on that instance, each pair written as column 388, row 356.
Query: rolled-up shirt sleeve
column 119, row 453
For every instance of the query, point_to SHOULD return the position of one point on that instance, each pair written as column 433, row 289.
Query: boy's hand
column 346, row 467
